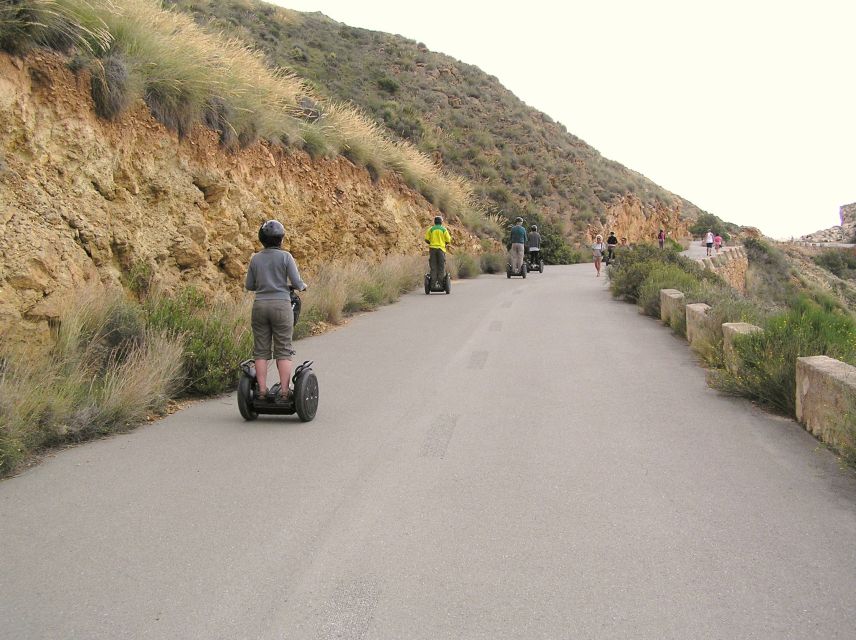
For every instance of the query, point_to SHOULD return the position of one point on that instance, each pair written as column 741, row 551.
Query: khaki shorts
column 273, row 325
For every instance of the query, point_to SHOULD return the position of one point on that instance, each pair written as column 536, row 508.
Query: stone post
column 826, row 399
column 671, row 301
column 697, row 321
column 730, row 330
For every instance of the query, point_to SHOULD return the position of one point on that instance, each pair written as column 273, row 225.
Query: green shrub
column 841, row 262
column 388, row 84
column 707, row 221
column 674, row 245
column 217, row 336
column 665, row 276
column 493, row 262
column 467, row 265
column 766, row 369
column 636, row 263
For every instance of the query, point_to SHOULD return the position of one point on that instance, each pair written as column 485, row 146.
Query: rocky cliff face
column 85, row 200
column 846, row 232
column 631, row 219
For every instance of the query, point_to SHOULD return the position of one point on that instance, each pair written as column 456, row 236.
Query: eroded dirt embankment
column 84, row 200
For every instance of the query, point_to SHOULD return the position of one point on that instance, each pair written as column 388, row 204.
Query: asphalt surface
column 521, row 459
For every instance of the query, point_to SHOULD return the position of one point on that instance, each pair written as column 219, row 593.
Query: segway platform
column 522, row 273
column 537, row 266
column 303, row 401
column 444, row 286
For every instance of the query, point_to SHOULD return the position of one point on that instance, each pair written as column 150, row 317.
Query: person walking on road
column 708, row 241
column 437, row 237
column 661, row 238
column 717, row 242
column 518, row 240
column 597, row 251
column 269, row 274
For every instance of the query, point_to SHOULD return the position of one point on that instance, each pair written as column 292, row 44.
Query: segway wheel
column 447, row 285
column 306, row 396
column 245, row 398
column 523, row 270
column 508, row 272
column 427, row 285
column 541, row 267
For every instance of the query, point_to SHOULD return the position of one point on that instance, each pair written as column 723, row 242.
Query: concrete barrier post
column 671, row 301
column 697, row 321
column 730, row 330
column 826, row 398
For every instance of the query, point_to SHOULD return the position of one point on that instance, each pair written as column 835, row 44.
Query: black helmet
column 534, row 227
column 271, row 233
column 518, row 220
column 438, row 219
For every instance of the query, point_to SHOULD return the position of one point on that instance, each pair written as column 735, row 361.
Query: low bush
column 841, row 262
column 105, row 373
column 218, row 337
column 769, row 276
column 467, row 265
column 338, row 289
column 635, row 264
column 665, row 276
column 766, row 369
column 493, row 262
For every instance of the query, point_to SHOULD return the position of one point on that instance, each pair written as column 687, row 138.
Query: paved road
column 523, row 459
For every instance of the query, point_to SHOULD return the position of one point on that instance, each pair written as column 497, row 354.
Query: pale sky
column 746, row 108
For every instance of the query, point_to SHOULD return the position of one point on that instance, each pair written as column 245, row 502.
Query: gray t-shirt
column 534, row 240
column 270, row 272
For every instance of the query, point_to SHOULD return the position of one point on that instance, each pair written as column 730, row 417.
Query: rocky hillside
column 85, row 199
column 845, row 232
column 518, row 159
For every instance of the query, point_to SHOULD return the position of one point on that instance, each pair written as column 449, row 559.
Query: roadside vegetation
column 188, row 76
column 119, row 358
column 519, row 161
column 840, row 262
column 797, row 319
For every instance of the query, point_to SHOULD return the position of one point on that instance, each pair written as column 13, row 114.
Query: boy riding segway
column 437, row 238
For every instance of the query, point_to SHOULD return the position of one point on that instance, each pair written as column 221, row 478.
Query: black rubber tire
column 306, row 396
column 447, row 285
column 508, row 273
column 523, row 270
column 427, row 285
column 541, row 267
column 245, row 401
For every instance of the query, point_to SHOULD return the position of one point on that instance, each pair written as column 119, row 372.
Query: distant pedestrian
column 717, row 242
column 597, row 251
column 661, row 238
column 708, row 241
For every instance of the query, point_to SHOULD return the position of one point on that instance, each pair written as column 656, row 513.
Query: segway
column 536, row 266
column 444, row 286
column 303, row 401
column 509, row 271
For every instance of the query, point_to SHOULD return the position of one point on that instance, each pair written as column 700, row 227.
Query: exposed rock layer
column 631, row 219
column 845, row 232
column 82, row 199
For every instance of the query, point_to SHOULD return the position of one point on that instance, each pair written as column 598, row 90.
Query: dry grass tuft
column 189, row 75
